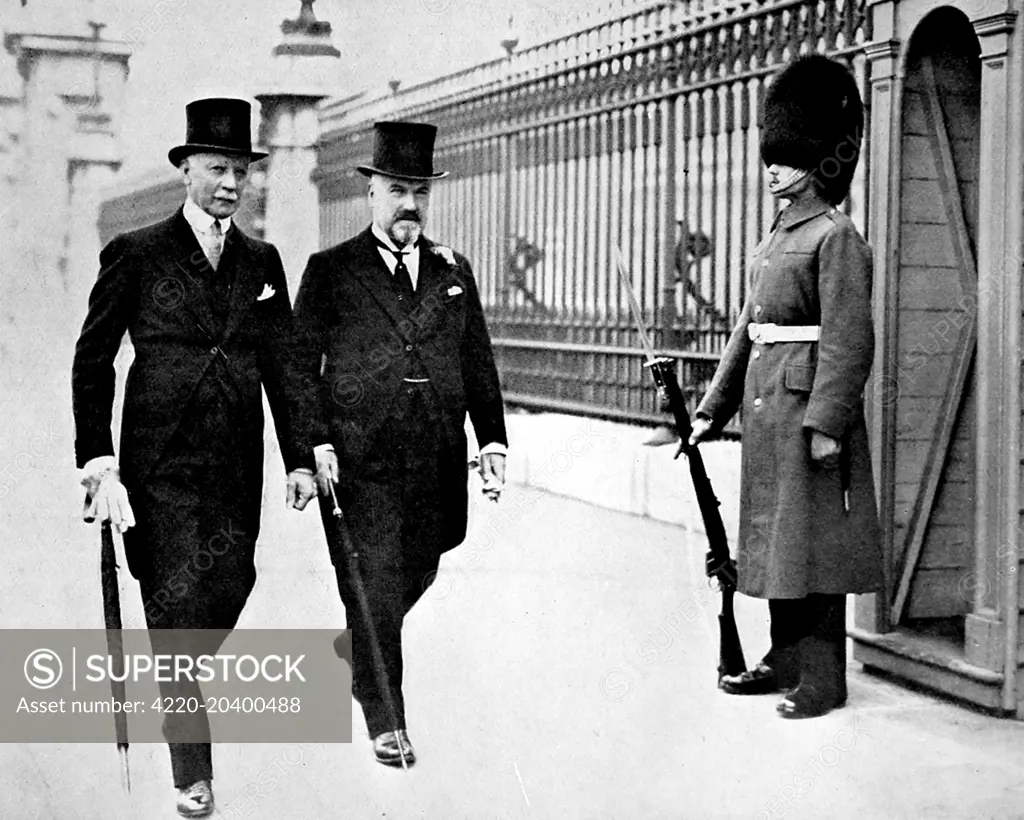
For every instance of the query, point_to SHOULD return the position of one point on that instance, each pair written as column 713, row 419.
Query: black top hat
column 219, row 125
column 814, row 120
column 404, row 150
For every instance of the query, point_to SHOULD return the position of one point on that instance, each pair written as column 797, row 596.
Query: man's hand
column 326, row 468
column 106, row 498
column 824, row 449
column 301, row 488
column 700, row 430
column 492, row 470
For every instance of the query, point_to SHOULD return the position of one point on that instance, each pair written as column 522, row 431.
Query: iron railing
column 641, row 132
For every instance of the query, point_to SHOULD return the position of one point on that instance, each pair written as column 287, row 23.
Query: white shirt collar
column 202, row 221
column 411, row 258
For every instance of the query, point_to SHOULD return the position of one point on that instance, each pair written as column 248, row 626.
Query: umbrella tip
column 126, row 774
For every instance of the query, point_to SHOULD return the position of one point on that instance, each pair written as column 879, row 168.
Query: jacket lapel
column 238, row 253
column 430, row 292
column 182, row 259
column 369, row 270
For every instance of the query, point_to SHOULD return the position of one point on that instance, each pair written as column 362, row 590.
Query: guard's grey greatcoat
column 795, row 537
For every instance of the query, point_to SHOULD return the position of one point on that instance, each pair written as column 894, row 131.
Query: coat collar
column 799, row 213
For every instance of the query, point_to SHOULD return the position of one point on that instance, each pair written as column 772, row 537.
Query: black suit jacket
column 354, row 334
column 151, row 285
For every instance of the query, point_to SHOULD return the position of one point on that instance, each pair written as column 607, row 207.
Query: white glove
column 106, row 498
column 491, row 466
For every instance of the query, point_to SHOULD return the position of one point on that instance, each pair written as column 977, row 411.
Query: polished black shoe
column 761, row 680
column 806, row 702
column 386, row 749
column 196, row 800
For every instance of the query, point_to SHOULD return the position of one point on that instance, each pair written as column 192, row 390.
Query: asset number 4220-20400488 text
column 246, row 705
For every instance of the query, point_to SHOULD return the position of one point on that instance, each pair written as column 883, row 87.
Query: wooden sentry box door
column 934, row 447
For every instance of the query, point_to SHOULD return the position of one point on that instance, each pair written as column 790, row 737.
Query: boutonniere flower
column 445, row 253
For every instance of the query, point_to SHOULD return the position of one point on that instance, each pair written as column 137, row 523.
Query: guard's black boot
column 822, row 685
column 761, row 680
column 777, row 672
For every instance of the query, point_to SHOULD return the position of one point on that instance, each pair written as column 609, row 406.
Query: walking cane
column 115, row 646
column 356, row 579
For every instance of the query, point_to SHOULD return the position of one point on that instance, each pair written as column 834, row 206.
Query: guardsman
column 797, row 363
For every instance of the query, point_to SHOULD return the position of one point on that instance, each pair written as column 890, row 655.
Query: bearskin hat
column 813, row 119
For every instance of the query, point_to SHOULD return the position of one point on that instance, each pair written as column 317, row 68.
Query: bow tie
column 397, row 254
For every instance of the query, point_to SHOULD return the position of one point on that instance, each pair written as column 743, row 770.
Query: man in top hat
column 397, row 321
column 207, row 310
column 797, row 363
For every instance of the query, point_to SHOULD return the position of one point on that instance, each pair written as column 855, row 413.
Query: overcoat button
column 408, row 348
column 757, row 402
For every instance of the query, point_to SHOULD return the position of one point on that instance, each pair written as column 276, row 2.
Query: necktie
column 214, row 237
column 219, row 284
column 402, row 277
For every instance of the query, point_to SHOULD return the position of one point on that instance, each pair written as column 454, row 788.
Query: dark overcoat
column 352, row 328
column 155, row 284
column 795, row 537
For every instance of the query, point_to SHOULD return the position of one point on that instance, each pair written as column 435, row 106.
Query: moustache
column 407, row 216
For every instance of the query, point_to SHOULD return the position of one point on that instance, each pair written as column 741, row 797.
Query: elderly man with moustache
column 395, row 323
column 207, row 310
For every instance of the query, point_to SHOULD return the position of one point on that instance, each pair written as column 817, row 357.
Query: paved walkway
column 563, row 666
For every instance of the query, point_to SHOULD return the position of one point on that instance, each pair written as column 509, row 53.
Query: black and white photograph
column 514, row 410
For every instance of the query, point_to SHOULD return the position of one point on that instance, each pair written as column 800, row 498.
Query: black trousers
column 394, row 515
column 809, row 645
column 192, row 552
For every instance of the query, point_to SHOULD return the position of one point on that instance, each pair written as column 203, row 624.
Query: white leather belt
column 769, row 333
column 416, row 381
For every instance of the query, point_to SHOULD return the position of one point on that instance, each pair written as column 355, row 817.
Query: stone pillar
column 289, row 130
column 73, row 95
column 87, row 182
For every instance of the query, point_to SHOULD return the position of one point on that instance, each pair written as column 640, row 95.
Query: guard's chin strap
column 788, row 182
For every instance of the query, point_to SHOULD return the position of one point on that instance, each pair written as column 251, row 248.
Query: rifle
column 718, row 564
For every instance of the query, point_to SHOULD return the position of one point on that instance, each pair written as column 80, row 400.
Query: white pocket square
column 454, row 290
column 268, row 291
